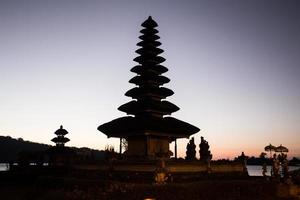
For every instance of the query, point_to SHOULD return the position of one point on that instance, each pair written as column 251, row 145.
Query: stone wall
column 173, row 167
column 227, row 167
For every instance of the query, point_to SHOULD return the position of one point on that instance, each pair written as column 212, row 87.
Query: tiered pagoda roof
column 148, row 107
column 60, row 139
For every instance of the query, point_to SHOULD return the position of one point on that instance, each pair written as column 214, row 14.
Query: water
column 253, row 170
column 256, row 170
column 4, row 166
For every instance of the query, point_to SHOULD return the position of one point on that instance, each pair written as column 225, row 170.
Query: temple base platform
column 160, row 171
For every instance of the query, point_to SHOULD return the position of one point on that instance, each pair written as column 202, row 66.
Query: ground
column 67, row 188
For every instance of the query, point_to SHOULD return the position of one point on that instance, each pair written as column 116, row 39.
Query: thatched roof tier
column 149, row 50
column 156, row 69
column 149, row 106
column 147, row 44
column 149, row 37
column 149, row 79
column 137, row 126
column 141, row 92
column 143, row 59
column 60, row 139
column 147, row 31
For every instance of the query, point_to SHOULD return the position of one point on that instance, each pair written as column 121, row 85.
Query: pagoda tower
column 60, row 139
column 147, row 128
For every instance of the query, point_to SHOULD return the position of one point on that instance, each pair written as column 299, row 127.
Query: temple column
column 175, row 148
column 120, row 146
column 147, row 141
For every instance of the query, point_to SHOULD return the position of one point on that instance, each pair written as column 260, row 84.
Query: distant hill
column 10, row 149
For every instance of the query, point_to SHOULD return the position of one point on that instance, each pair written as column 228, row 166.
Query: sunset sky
column 234, row 67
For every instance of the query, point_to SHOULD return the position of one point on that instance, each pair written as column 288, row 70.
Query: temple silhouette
column 60, row 155
column 60, row 139
column 148, row 128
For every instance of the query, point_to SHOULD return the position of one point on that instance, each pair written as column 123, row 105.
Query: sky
column 234, row 67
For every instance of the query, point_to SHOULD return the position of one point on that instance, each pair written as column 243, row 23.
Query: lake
column 253, row 170
column 4, row 166
column 256, row 170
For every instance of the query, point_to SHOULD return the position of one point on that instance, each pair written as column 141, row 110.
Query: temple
column 60, row 155
column 60, row 139
column 148, row 130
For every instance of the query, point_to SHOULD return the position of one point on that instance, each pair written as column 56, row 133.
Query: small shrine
column 148, row 128
column 59, row 155
column 60, row 139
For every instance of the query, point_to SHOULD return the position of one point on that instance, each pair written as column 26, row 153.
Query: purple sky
column 234, row 67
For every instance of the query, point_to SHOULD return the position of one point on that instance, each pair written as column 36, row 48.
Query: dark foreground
column 71, row 189
column 84, row 185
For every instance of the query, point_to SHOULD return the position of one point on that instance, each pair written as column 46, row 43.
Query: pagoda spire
column 149, row 93
column 148, row 130
column 60, row 139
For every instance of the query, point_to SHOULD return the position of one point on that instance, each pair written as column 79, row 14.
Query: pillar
column 120, row 146
column 175, row 148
